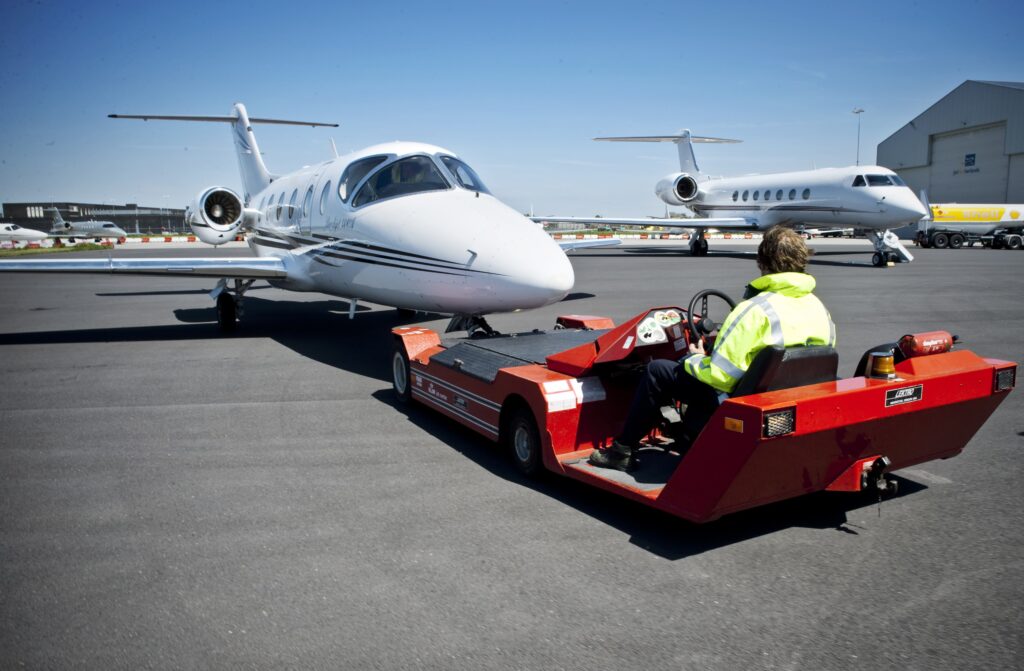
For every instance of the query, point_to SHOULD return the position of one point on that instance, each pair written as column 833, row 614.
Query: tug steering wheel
column 706, row 326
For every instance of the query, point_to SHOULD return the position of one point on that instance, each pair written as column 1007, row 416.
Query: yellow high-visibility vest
column 785, row 313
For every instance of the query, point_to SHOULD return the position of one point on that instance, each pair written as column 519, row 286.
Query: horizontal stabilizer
column 219, row 119
column 235, row 268
column 667, row 138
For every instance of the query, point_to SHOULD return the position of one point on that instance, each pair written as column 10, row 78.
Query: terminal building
column 966, row 148
column 130, row 217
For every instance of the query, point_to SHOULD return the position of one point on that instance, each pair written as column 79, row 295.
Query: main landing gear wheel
column 400, row 379
column 523, row 440
column 706, row 326
column 227, row 313
column 699, row 247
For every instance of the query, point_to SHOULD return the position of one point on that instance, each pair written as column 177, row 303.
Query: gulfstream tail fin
column 255, row 176
column 684, row 142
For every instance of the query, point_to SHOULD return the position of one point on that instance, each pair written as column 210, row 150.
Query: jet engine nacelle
column 678, row 188
column 215, row 215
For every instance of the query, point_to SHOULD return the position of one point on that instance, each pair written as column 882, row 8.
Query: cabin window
column 413, row 174
column 859, row 181
column 323, row 197
column 806, row 194
column 757, row 194
column 767, row 195
column 355, row 172
column 280, row 202
column 291, row 204
column 735, row 196
column 778, row 195
column 463, row 174
column 307, row 202
column 792, row 194
column 745, row 194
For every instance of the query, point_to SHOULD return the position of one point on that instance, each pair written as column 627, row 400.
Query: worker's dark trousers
column 663, row 382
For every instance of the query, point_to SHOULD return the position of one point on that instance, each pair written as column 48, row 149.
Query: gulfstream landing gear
column 229, row 303
column 887, row 248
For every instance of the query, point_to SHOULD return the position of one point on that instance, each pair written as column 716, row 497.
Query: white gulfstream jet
column 15, row 233
column 402, row 224
column 868, row 198
column 82, row 229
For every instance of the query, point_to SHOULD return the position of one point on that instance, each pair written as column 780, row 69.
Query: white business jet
column 96, row 230
column 15, row 233
column 402, row 224
column 868, row 198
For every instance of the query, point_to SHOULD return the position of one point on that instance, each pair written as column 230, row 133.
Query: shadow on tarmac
column 657, row 532
column 319, row 330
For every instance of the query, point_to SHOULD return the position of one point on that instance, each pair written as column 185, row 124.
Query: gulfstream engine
column 677, row 188
column 215, row 215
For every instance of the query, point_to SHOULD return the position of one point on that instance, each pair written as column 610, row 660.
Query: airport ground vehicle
column 952, row 225
column 790, row 428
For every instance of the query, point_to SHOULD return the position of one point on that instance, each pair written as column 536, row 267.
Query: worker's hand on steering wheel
column 697, row 347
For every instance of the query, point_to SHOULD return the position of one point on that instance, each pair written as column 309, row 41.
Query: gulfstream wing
column 722, row 222
column 233, row 268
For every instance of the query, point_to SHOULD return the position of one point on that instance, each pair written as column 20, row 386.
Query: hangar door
column 970, row 166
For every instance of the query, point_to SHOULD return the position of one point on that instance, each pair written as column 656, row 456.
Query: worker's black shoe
column 618, row 456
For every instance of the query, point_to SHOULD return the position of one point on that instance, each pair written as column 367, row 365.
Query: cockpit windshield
column 413, row 174
column 108, row 225
column 883, row 180
column 465, row 175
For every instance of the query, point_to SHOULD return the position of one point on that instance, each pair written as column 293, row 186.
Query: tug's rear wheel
column 227, row 313
column 523, row 439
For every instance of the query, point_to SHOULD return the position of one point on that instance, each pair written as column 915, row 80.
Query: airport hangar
column 966, row 148
column 131, row 217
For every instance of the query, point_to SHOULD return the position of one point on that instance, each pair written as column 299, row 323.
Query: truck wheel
column 1014, row 242
column 940, row 241
column 523, row 440
column 956, row 241
column 400, row 379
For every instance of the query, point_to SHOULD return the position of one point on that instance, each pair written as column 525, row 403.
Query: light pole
column 858, row 111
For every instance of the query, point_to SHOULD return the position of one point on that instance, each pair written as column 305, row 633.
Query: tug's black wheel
column 227, row 313
column 400, row 379
column 523, row 440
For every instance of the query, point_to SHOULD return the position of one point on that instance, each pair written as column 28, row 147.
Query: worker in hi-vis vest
column 779, row 310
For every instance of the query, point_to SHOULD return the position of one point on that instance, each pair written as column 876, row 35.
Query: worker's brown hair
column 782, row 250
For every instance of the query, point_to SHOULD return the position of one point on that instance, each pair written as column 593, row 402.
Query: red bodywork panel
column 580, row 397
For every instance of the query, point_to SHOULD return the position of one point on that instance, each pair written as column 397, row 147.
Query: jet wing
column 686, row 224
column 236, row 268
column 569, row 245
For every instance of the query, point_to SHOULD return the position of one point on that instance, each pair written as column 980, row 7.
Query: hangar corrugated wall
column 967, row 147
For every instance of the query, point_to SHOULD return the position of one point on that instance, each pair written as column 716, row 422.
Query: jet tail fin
column 57, row 220
column 683, row 141
column 255, row 176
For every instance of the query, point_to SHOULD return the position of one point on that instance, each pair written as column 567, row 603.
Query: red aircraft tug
column 790, row 427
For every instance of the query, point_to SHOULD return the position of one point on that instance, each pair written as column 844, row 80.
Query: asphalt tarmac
column 170, row 498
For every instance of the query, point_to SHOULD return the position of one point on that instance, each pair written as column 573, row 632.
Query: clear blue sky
column 517, row 89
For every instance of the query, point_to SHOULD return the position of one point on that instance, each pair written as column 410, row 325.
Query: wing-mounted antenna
column 684, row 143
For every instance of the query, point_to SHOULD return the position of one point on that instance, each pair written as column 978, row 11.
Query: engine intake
column 677, row 189
column 215, row 216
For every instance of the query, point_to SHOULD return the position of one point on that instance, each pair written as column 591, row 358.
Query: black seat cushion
column 778, row 367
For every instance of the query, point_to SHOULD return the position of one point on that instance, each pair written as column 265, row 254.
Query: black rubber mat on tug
column 482, row 358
